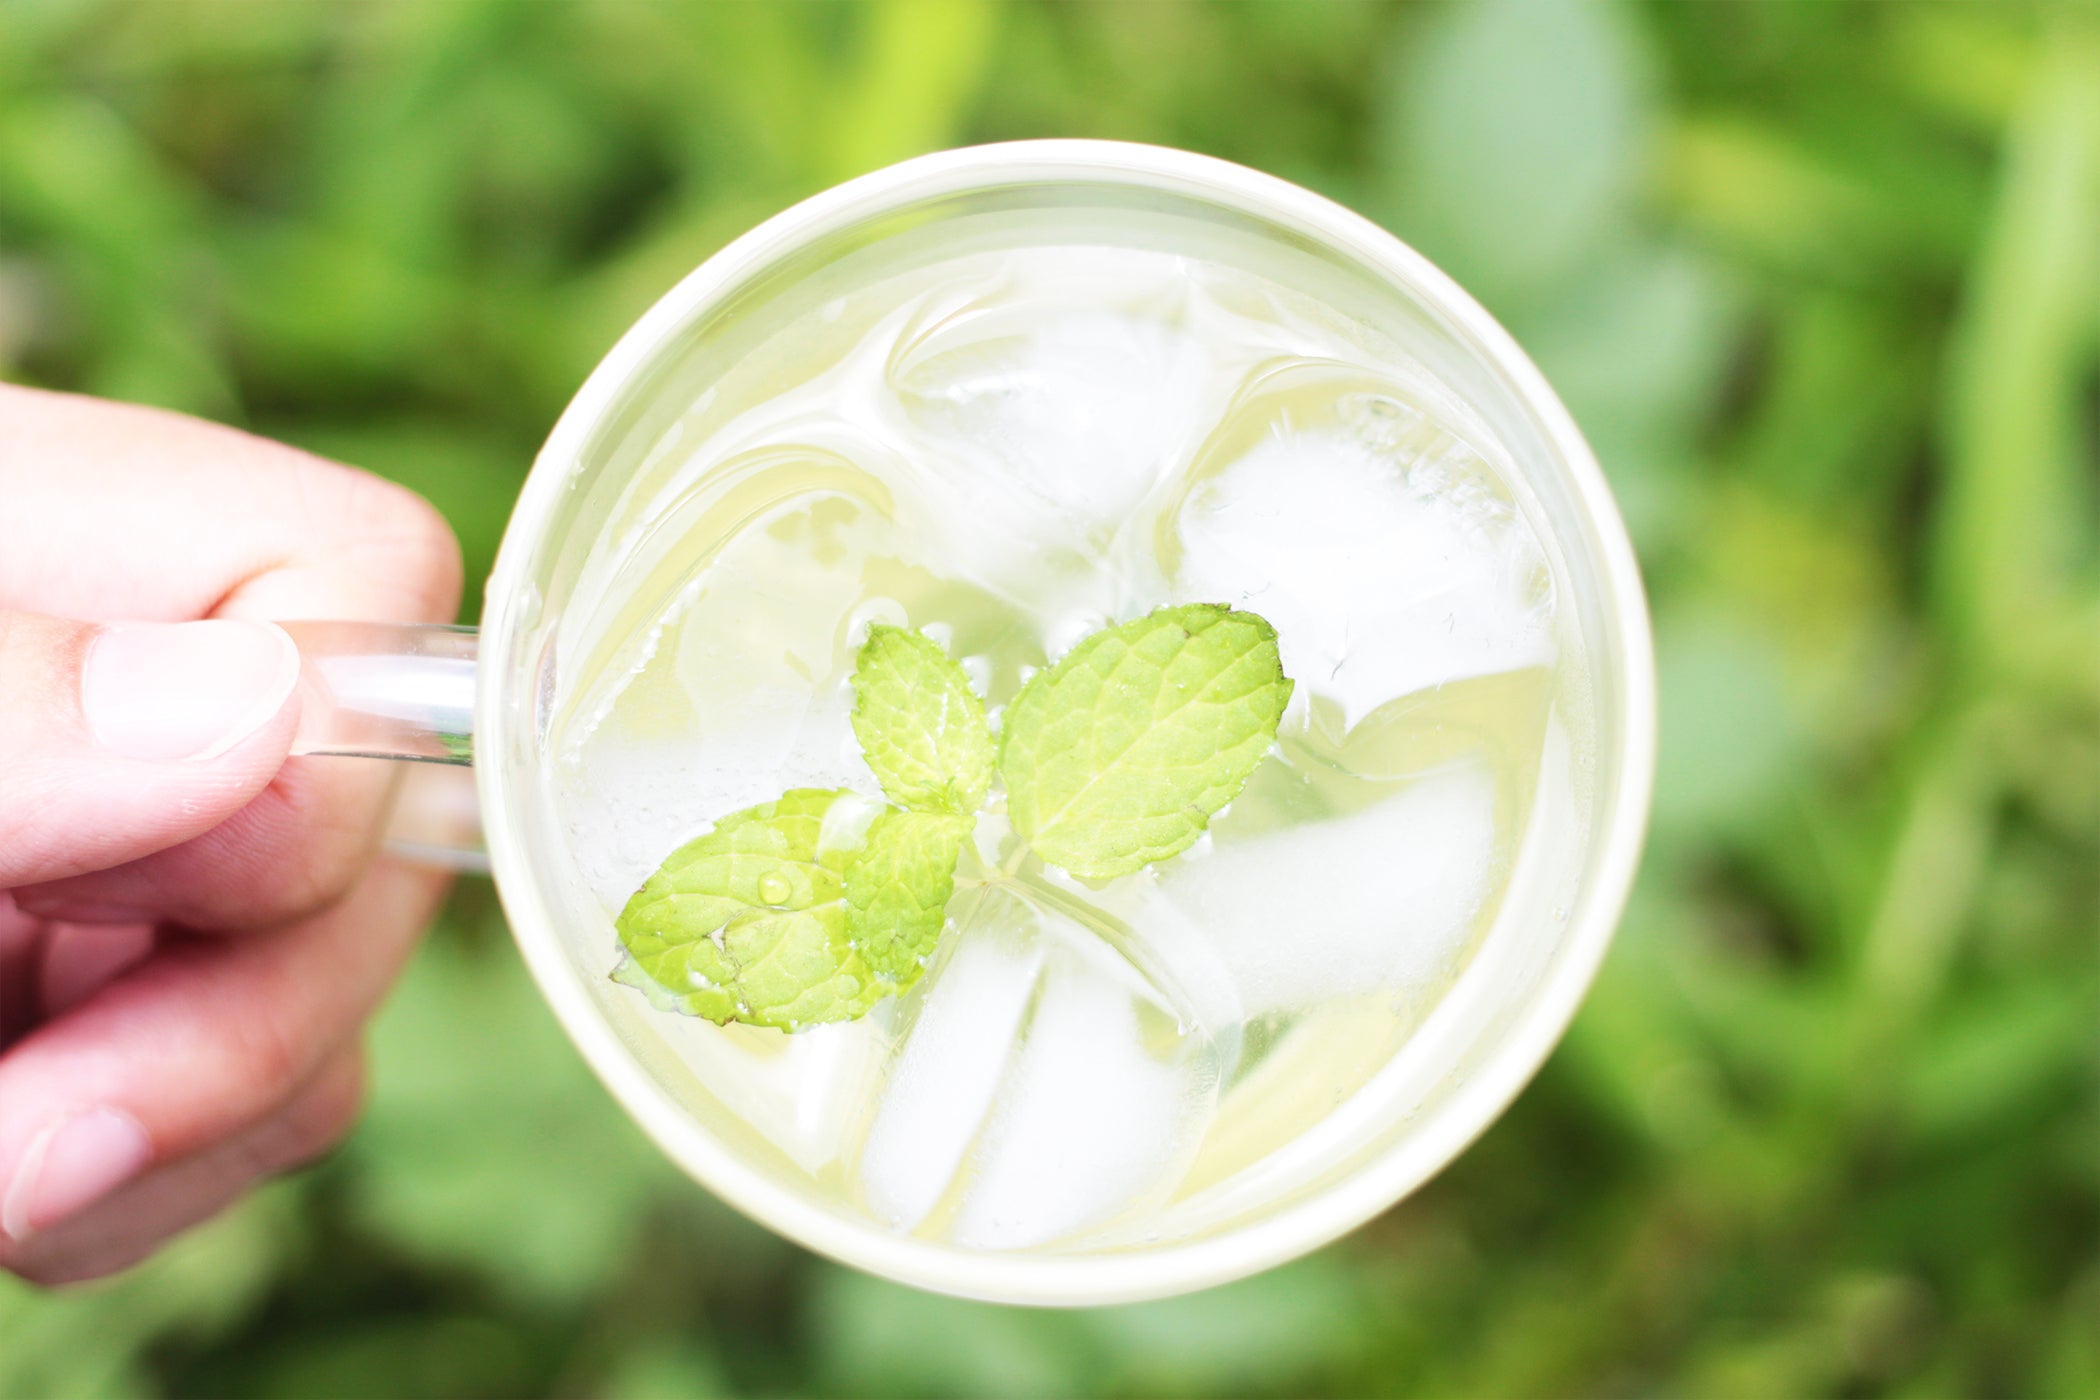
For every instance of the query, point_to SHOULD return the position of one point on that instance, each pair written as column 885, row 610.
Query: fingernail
column 69, row 1166
column 161, row 691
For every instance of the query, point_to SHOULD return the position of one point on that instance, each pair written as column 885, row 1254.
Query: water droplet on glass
column 1378, row 420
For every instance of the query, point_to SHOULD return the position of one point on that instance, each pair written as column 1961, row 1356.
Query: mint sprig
column 813, row 908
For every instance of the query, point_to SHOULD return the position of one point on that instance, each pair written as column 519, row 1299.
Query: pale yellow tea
column 1064, row 1022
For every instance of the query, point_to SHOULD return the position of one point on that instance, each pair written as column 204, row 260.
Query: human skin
column 193, row 928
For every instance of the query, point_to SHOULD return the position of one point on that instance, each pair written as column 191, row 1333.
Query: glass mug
column 424, row 693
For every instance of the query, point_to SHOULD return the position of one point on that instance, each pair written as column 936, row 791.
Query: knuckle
column 271, row 1055
column 316, row 1120
column 326, row 850
column 316, row 865
column 412, row 539
column 358, row 525
column 63, row 1257
column 40, row 1269
column 294, row 853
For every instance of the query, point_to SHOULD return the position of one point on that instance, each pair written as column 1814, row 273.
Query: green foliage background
column 1820, row 281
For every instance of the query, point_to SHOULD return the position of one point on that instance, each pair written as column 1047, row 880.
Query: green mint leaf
column 897, row 891
column 750, row 922
column 1119, row 754
column 921, row 727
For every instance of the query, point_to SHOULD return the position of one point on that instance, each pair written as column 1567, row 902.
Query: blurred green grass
column 1821, row 282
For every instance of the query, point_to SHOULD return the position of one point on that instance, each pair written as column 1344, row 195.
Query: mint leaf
column 921, row 727
column 897, row 891
column 750, row 922
column 1119, row 754
column 816, row 906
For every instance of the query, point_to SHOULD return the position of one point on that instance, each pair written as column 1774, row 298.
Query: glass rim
column 1395, row 1170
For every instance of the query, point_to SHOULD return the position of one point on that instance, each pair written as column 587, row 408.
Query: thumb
column 118, row 741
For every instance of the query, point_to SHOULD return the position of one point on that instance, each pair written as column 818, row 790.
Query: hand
column 192, row 929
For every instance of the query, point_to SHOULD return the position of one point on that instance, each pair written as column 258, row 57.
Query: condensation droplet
column 1069, row 631
column 884, row 610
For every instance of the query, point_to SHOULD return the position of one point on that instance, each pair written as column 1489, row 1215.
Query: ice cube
column 1377, row 901
column 1042, row 1087
column 1093, row 1120
column 632, row 798
column 1040, row 424
column 1383, row 573
column 803, row 1093
column 1082, row 410
column 1177, row 965
column 957, row 1046
column 742, row 691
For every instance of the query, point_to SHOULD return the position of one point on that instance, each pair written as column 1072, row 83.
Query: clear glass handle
column 405, row 692
column 386, row 690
